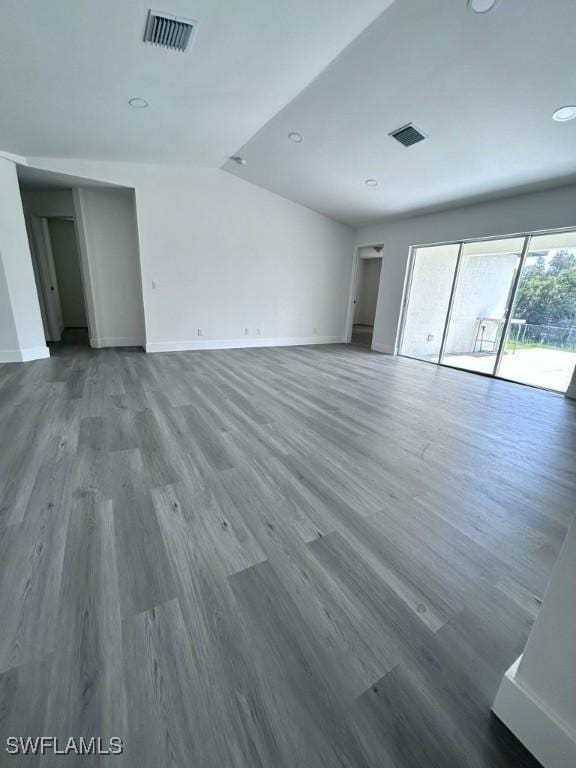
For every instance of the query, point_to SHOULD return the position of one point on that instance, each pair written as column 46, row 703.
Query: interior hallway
column 362, row 335
column 291, row 557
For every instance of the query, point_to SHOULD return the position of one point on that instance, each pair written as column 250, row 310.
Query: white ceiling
column 69, row 68
column 482, row 88
column 342, row 73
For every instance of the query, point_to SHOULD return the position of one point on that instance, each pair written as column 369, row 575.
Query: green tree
column 547, row 294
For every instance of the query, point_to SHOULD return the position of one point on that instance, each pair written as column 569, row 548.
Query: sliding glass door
column 430, row 288
column 481, row 303
column 540, row 347
column 503, row 307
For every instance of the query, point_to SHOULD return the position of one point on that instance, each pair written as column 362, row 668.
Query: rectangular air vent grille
column 408, row 135
column 168, row 31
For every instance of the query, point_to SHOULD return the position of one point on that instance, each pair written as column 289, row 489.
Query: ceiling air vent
column 407, row 135
column 172, row 32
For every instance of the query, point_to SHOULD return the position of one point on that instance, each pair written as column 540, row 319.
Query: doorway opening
column 366, row 285
column 57, row 268
column 83, row 238
column 503, row 307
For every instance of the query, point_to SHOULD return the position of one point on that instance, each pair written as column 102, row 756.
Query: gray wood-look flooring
column 275, row 558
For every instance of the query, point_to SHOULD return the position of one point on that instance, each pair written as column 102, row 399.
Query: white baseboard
column 115, row 341
column 536, row 726
column 186, row 346
column 23, row 355
column 35, row 353
column 386, row 349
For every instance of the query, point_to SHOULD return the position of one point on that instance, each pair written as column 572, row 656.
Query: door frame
column 83, row 286
column 86, row 267
column 48, row 292
column 354, row 284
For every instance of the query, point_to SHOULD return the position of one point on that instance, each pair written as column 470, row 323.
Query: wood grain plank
column 268, row 558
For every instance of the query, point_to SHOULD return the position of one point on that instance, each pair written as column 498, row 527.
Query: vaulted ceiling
column 481, row 87
column 69, row 68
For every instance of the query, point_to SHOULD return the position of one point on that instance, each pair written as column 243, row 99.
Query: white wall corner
column 186, row 346
column 18, row 159
column 23, row 355
column 551, row 741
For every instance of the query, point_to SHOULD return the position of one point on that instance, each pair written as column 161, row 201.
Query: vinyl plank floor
column 310, row 557
column 93, row 701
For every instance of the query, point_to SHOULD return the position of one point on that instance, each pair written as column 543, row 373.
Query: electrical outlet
column 155, row 285
column 257, row 331
column 246, row 331
column 315, row 331
column 199, row 331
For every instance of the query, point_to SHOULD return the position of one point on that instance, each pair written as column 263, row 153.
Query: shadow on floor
column 362, row 335
column 72, row 340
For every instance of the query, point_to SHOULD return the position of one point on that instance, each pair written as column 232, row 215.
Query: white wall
column 8, row 336
column 67, row 264
column 367, row 293
column 537, row 698
column 227, row 255
column 548, row 665
column 22, row 336
column 108, row 240
column 549, row 209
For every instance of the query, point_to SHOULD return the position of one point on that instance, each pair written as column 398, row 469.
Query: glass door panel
column 425, row 317
column 481, row 300
column 541, row 345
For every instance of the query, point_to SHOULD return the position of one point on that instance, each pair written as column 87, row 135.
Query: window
column 503, row 307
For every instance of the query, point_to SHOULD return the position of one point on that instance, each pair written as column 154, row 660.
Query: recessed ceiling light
column 371, row 182
column 482, row 6
column 239, row 160
column 564, row 113
column 296, row 137
column 138, row 103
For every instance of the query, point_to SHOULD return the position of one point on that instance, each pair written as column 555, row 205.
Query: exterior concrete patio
column 539, row 366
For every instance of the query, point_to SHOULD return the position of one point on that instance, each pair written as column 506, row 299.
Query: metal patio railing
column 561, row 337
